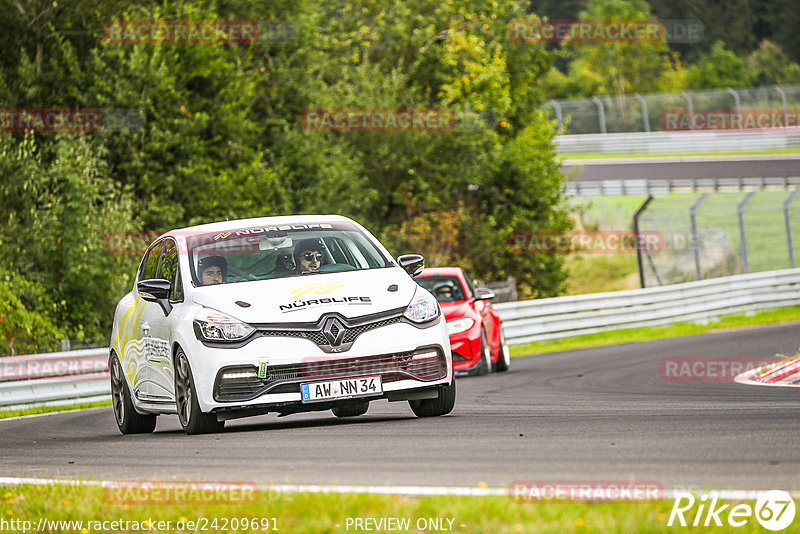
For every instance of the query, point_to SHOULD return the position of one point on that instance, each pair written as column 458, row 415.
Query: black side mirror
column 411, row 263
column 156, row 290
column 484, row 293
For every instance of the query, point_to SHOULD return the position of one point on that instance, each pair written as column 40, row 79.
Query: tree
column 718, row 69
column 768, row 65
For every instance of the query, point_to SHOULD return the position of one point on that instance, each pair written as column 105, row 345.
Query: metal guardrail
column 645, row 187
column 63, row 377
column 54, row 377
column 666, row 142
column 560, row 317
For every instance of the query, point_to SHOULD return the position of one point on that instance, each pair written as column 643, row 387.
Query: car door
column 149, row 332
column 161, row 385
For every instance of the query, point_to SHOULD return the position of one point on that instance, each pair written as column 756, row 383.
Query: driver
column 213, row 270
column 444, row 293
column 308, row 255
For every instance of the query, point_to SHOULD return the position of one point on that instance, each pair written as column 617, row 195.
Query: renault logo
column 333, row 329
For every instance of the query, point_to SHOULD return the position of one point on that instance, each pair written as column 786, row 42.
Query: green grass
column 321, row 513
column 603, row 155
column 629, row 335
column 5, row 414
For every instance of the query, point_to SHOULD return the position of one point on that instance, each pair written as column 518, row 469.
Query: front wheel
column 485, row 365
column 192, row 419
column 441, row 405
column 504, row 361
column 351, row 410
column 128, row 419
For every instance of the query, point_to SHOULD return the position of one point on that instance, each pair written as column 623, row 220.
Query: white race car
column 278, row 314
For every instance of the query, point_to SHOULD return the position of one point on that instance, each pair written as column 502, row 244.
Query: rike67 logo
column 774, row 510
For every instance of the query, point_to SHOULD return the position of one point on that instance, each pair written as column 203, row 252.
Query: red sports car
column 476, row 333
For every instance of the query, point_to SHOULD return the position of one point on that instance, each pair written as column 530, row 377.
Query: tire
column 192, row 419
column 351, row 410
column 504, row 362
column 485, row 365
column 128, row 419
column 442, row 405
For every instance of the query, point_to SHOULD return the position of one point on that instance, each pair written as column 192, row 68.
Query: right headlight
column 213, row 325
column 422, row 308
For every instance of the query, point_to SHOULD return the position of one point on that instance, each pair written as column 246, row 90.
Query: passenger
column 308, row 255
column 213, row 270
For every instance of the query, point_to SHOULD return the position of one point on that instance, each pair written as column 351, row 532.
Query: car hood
column 456, row 310
column 306, row 298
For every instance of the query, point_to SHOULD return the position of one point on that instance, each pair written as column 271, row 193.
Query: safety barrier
column 666, row 142
column 54, row 378
column 560, row 317
column 74, row 376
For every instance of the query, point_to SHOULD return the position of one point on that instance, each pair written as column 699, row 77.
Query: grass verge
column 629, row 335
column 316, row 513
column 5, row 414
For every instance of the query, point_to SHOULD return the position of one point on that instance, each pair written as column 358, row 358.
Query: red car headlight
column 459, row 325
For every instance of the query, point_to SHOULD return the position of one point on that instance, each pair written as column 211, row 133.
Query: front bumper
column 395, row 352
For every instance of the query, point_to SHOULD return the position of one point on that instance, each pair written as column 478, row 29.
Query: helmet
column 213, row 261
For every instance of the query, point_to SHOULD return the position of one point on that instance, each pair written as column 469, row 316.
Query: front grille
column 315, row 337
column 350, row 334
column 314, row 332
column 286, row 378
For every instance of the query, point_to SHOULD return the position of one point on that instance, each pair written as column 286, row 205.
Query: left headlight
column 213, row 325
column 422, row 308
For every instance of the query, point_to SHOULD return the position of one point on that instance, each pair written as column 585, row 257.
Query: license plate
column 341, row 389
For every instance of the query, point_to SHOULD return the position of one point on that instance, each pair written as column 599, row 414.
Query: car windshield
column 264, row 253
column 444, row 288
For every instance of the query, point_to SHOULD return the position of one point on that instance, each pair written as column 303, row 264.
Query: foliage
column 59, row 207
column 719, row 68
column 28, row 317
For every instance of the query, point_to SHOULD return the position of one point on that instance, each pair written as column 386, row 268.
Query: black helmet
column 212, row 261
column 306, row 245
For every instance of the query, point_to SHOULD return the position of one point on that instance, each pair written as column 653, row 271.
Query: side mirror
column 156, row 290
column 411, row 263
column 484, row 293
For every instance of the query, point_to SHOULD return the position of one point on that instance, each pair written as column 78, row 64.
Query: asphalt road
column 774, row 166
column 593, row 414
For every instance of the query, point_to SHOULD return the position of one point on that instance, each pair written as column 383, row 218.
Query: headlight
column 459, row 325
column 423, row 307
column 212, row 325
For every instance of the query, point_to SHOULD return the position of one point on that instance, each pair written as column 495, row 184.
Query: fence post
column 742, row 235
column 559, row 115
column 785, row 107
column 645, row 114
column 695, row 238
column 689, row 107
column 601, row 113
column 738, row 104
column 788, row 222
column 636, row 237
